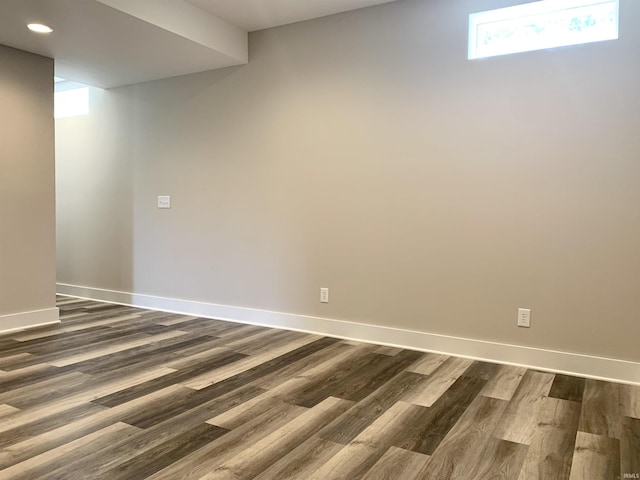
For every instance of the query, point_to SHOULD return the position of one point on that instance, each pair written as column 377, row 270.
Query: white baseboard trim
column 555, row 361
column 17, row 322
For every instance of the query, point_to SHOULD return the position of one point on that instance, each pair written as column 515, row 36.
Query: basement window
column 71, row 103
column 540, row 25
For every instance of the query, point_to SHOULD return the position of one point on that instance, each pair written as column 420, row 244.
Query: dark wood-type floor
column 121, row 393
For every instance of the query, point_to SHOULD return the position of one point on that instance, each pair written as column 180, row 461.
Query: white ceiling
column 109, row 43
column 260, row 14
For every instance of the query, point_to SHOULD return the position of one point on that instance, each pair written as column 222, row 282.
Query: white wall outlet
column 324, row 295
column 164, row 201
column 524, row 317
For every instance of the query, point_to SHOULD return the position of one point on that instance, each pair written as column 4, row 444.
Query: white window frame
column 556, row 32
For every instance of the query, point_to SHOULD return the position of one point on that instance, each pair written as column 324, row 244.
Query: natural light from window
column 540, row 25
column 71, row 103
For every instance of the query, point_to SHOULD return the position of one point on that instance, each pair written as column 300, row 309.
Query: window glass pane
column 539, row 25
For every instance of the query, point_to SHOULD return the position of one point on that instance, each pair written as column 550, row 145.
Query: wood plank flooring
column 116, row 392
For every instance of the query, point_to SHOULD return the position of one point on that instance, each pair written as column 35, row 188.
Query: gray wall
column 365, row 153
column 94, row 193
column 27, row 208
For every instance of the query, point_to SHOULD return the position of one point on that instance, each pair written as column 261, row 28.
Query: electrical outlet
column 324, row 295
column 524, row 317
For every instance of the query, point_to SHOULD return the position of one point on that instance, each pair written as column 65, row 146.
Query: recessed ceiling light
column 39, row 28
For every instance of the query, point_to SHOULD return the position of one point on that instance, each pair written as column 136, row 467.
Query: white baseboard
column 26, row 320
column 555, row 361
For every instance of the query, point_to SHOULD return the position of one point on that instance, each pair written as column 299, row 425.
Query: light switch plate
column 524, row 317
column 324, row 295
column 164, row 201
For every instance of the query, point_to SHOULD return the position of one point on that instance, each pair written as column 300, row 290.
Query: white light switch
column 324, row 295
column 164, row 201
column 524, row 317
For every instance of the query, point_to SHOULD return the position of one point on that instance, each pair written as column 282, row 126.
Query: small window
column 71, row 103
column 540, row 25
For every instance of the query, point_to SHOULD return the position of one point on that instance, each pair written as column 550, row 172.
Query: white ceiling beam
column 190, row 22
